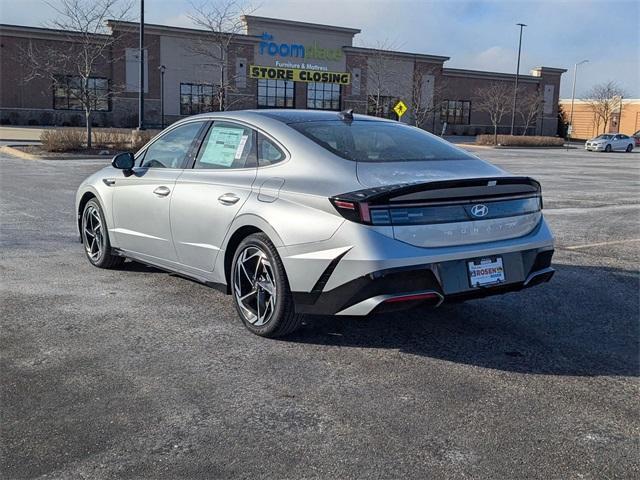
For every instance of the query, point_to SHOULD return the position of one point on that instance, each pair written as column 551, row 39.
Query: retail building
column 273, row 64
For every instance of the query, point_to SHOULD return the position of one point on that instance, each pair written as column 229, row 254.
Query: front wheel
column 607, row 149
column 95, row 237
column 260, row 289
column 629, row 148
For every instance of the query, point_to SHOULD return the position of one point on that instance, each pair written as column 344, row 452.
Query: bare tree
column 603, row 100
column 222, row 19
column 382, row 77
column 75, row 64
column 426, row 97
column 529, row 107
column 494, row 99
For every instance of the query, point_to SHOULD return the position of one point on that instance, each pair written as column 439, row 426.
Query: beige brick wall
column 585, row 122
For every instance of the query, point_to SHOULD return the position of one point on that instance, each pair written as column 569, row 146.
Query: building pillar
column 300, row 92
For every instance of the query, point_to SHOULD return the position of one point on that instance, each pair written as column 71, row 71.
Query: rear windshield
column 371, row 141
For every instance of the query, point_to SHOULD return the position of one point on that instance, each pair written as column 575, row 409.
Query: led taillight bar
column 344, row 205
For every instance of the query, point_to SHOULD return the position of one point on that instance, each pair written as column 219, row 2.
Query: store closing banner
column 298, row 75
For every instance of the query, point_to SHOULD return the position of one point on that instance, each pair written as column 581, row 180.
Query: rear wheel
column 260, row 289
column 95, row 237
column 607, row 148
column 629, row 148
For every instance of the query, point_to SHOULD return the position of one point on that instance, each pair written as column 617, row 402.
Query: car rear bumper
column 424, row 285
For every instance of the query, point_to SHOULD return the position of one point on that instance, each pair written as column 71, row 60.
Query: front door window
column 171, row 149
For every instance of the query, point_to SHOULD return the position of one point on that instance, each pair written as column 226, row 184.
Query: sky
column 476, row 34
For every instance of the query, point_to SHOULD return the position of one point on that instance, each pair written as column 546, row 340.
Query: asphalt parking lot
column 140, row 374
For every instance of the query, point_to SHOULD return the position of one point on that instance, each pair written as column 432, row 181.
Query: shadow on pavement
column 584, row 322
column 133, row 266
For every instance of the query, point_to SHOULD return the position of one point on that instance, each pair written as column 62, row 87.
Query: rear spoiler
column 462, row 190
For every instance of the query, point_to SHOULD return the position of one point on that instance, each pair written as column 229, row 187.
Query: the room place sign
column 298, row 75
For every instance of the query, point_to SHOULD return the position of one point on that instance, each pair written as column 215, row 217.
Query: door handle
column 228, row 198
column 162, row 191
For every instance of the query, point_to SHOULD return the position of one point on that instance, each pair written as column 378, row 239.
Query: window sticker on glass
column 223, row 145
column 240, row 149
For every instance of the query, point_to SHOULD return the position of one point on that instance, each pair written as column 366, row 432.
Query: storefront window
column 275, row 94
column 196, row 98
column 455, row 112
column 68, row 93
column 323, row 96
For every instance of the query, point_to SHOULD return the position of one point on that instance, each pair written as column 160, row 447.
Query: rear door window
column 227, row 145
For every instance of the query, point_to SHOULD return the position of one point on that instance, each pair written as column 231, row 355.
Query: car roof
column 298, row 116
column 290, row 115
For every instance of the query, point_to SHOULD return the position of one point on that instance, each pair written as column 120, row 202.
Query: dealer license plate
column 486, row 271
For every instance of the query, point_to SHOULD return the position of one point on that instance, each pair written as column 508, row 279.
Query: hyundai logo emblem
column 479, row 210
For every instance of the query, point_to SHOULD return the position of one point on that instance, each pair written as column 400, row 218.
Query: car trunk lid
column 375, row 174
column 449, row 212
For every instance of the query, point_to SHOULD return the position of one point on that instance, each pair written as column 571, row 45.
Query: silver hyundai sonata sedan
column 296, row 212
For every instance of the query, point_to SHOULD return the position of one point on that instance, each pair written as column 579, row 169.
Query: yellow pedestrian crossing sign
column 400, row 108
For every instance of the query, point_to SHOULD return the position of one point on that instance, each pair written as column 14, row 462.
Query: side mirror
column 123, row 161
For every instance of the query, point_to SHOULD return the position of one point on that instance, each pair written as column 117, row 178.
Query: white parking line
column 588, row 245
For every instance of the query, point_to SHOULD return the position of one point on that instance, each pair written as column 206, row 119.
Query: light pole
column 515, row 90
column 162, row 68
column 620, row 115
column 573, row 94
column 141, row 87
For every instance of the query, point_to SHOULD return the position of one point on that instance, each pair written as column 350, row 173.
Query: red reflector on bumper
column 413, row 297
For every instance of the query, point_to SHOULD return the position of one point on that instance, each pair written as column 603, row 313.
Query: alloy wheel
column 254, row 286
column 92, row 232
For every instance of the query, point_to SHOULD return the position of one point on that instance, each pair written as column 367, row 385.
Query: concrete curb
column 518, row 147
column 20, row 140
column 500, row 147
column 472, row 145
column 15, row 152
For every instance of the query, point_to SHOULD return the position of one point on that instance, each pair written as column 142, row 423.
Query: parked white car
column 608, row 142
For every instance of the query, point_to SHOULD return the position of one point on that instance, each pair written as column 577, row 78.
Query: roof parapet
column 460, row 72
column 174, row 31
column 540, row 71
column 394, row 53
column 293, row 23
column 25, row 31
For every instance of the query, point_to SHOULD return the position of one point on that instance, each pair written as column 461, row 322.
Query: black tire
column 101, row 256
column 607, row 149
column 283, row 319
column 629, row 148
